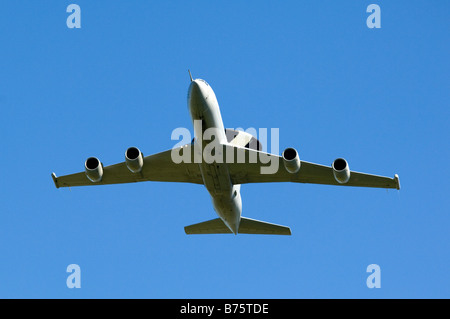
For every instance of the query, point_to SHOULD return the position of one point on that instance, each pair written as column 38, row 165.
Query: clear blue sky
column 378, row 97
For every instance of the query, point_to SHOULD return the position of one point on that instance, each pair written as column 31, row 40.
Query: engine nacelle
column 291, row 160
column 341, row 171
column 93, row 169
column 134, row 159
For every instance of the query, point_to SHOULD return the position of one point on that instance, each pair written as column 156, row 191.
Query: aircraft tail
column 253, row 226
column 247, row 226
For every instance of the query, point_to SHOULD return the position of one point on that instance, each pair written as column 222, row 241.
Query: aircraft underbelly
column 216, row 178
column 225, row 196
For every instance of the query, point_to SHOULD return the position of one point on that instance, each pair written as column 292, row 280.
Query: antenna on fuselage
column 190, row 75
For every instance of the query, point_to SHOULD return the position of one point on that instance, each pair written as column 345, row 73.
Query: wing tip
column 55, row 180
column 397, row 181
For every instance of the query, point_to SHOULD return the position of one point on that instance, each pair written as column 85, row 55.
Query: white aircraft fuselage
column 226, row 197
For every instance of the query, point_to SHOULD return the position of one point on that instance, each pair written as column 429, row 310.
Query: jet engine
column 134, row 159
column 341, row 171
column 291, row 160
column 93, row 169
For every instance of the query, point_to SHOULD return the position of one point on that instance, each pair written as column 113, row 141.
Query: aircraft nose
column 197, row 96
column 197, row 90
column 194, row 90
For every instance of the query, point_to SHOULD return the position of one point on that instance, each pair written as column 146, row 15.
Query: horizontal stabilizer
column 214, row 226
column 252, row 226
column 247, row 226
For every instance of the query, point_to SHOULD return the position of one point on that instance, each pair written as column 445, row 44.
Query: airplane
column 222, row 178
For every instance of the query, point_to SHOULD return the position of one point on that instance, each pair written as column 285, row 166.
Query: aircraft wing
column 248, row 172
column 158, row 167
